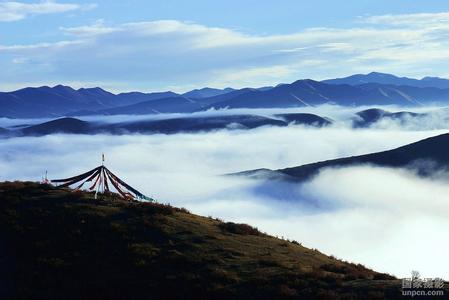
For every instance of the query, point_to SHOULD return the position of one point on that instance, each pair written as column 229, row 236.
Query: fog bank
column 390, row 220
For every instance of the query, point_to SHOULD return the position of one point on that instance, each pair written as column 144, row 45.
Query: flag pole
column 102, row 173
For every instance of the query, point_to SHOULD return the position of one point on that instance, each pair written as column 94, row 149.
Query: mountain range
column 426, row 157
column 370, row 89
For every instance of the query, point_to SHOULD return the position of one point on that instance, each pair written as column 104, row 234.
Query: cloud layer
column 390, row 220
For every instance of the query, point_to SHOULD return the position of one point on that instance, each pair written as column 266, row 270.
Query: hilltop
column 427, row 157
column 60, row 244
column 383, row 78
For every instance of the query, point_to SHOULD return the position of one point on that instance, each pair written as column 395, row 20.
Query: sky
column 180, row 45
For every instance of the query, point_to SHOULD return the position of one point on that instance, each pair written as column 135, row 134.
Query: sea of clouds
column 388, row 219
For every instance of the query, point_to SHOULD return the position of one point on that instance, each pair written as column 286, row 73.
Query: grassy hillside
column 59, row 244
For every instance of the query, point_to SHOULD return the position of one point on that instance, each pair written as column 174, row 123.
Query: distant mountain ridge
column 207, row 92
column 356, row 90
column 194, row 123
column 60, row 100
column 383, row 78
column 301, row 93
column 166, row 126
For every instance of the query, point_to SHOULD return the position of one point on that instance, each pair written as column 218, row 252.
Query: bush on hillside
column 243, row 229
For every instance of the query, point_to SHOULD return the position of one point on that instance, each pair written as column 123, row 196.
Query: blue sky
column 180, row 45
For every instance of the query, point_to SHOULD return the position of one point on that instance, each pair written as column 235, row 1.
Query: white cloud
column 158, row 54
column 390, row 214
column 97, row 28
column 15, row 11
column 418, row 19
column 40, row 46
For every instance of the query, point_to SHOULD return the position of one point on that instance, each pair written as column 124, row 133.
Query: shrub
column 184, row 210
column 243, row 229
column 334, row 268
column 153, row 208
column 383, row 276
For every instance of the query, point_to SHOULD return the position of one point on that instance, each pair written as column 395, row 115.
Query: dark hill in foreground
column 58, row 244
column 427, row 157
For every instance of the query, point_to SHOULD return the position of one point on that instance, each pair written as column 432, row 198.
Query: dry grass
column 62, row 244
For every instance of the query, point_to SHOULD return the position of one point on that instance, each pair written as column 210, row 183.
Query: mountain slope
column 63, row 100
column 58, row 244
column 426, row 156
column 46, row 101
